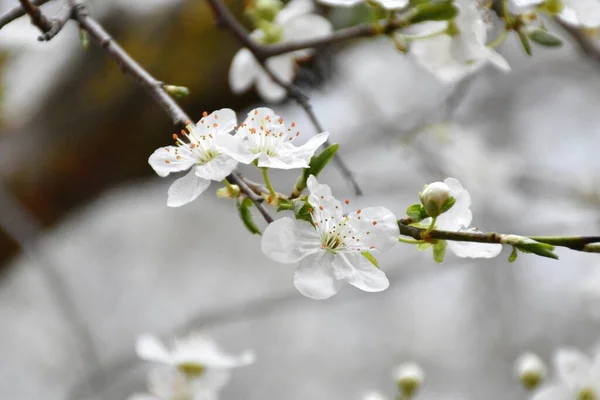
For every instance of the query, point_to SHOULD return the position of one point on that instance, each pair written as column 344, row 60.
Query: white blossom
column 329, row 251
column 457, row 219
column 387, row 4
column 197, row 150
column 434, row 197
column 296, row 22
column 452, row 57
column 530, row 369
column 409, row 377
column 197, row 366
column 578, row 377
column 264, row 137
column 577, row 13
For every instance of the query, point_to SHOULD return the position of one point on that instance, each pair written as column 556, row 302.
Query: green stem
column 265, row 172
column 431, row 226
column 498, row 41
column 411, row 241
column 228, row 185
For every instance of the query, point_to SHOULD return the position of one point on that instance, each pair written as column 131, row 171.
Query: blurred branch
column 17, row 12
column 583, row 41
column 37, row 18
column 225, row 18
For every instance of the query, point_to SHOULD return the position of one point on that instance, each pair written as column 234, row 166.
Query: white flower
column 296, row 22
column 458, row 218
column 434, row 197
column 330, row 251
column 373, row 396
column 578, row 13
column 170, row 384
column 530, row 369
column 264, row 137
column 198, row 150
column 578, row 377
column 387, row 4
column 451, row 58
column 409, row 377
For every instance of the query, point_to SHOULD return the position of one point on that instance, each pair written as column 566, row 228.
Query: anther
column 374, row 222
column 347, row 202
column 204, row 114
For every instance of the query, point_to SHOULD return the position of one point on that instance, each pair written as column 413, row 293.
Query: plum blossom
column 461, row 50
column 264, row 137
column 577, row 13
column 578, row 377
column 409, row 377
column 387, row 4
column 530, row 370
column 198, row 151
column 458, row 218
column 195, row 366
column 296, row 22
column 330, row 250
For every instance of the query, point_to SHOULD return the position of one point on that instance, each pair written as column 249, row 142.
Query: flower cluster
column 195, row 368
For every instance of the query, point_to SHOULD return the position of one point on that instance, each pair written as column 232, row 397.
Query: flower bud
column 265, row 10
column 434, row 197
column 531, row 370
column 409, row 377
column 177, row 91
column 230, row 192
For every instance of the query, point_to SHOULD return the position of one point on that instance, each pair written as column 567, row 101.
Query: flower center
column 587, row 393
column 207, row 154
column 191, row 369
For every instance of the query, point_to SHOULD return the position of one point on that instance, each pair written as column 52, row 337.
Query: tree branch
column 225, row 18
column 37, row 18
column 17, row 12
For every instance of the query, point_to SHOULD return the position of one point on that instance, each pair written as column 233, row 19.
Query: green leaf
column 433, row 11
column 316, row 165
column 370, row 257
column 302, row 210
column 416, row 212
column 513, row 255
column 541, row 249
column 246, row 215
column 524, row 42
column 541, row 36
column 448, row 204
column 439, row 251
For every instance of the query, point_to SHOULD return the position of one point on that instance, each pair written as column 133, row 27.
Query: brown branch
column 225, row 18
column 57, row 22
column 585, row 43
column 37, row 18
column 17, row 12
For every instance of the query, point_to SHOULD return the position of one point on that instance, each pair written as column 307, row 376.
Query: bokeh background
column 92, row 257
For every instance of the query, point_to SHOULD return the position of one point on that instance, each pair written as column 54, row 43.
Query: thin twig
column 225, row 18
column 17, row 12
column 57, row 22
column 37, row 18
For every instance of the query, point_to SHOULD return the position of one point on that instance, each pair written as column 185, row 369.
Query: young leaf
column 302, row 210
column 416, row 212
column 246, row 215
column 524, row 42
column 439, row 251
column 513, row 255
column 544, row 38
column 440, row 10
column 424, row 246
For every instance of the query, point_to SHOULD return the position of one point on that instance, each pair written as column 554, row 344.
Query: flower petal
column 171, row 159
column 217, row 169
column 359, row 272
column 243, row 71
column 527, row 3
column 584, row 13
column 306, row 27
column 572, row 366
column 285, row 161
column 376, row 227
column 207, row 386
column 149, row 348
column 203, row 350
column 325, row 206
column 459, row 216
column 475, row 250
column 554, row 392
column 186, row 189
column 234, row 147
column 315, row 276
column 308, row 149
column 216, row 123
column 341, row 3
column 288, row 241
column 392, row 4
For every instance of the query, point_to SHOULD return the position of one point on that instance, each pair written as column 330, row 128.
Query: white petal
column 306, row 27
column 288, row 241
column 459, row 216
column 139, row 396
column 216, row 123
column 584, row 13
column 293, row 10
column 149, row 348
column 392, row 4
column 165, row 160
column 359, row 272
column 325, row 206
column 203, row 350
column 315, row 276
column 308, row 149
column 554, row 392
column 186, row 189
column 243, row 71
column 475, row 250
column 572, row 366
column 268, row 90
column 167, row 383
column 498, row 60
column 285, row 161
column 235, row 148
column 207, row 386
column 381, row 225
column 526, row 3
column 216, row 169
column 341, row 3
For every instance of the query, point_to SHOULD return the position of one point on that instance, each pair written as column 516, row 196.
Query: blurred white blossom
column 263, row 136
column 331, row 250
column 578, row 377
column 387, row 4
column 458, row 218
column 197, row 149
column 461, row 50
column 578, row 13
column 295, row 22
column 530, row 370
column 409, row 377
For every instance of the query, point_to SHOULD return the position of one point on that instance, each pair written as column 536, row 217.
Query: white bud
column 434, row 197
column 409, row 377
column 530, row 369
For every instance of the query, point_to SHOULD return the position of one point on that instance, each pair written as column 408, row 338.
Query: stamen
column 347, row 201
column 204, row 114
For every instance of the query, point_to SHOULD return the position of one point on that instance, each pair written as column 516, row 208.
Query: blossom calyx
column 228, row 192
column 436, row 199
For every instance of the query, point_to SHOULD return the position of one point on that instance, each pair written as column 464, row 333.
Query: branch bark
column 17, row 12
column 37, row 18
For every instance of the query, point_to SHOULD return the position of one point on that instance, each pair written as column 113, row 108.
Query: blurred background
column 91, row 256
